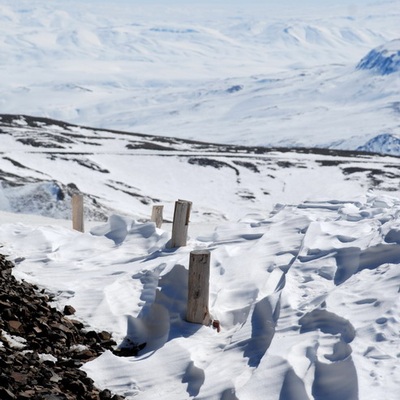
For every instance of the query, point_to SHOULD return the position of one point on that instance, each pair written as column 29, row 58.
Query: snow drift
column 307, row 299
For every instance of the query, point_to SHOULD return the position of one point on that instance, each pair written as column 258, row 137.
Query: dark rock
column 69, row 310
column 74, row 386
column 104, row 336
column 25, row 312
column 6, row 394
column 26, row 395
column 105, row 395
column 15, row 327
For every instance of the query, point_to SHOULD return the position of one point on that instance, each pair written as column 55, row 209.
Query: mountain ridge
column 44, row 162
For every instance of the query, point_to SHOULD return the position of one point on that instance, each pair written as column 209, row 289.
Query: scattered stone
column 69, row 310
column 54, row 347
column 105, row 395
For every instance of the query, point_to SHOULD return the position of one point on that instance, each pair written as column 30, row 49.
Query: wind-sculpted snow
column 290, row 329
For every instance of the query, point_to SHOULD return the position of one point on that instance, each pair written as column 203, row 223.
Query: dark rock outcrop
column 41, row 349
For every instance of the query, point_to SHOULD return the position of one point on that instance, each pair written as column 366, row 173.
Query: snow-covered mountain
column 174, row 69
column 383, row 60
column 383, row 144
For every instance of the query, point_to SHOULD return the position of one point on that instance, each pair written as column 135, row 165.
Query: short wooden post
column 77, row 212
column 180, row 223
column 198, row 288
column 157, row 215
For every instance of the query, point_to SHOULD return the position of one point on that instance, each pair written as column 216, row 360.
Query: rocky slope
column 41, row 349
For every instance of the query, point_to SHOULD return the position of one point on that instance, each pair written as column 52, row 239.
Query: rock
column 104, row 336
column 105, row 395
column 15, row 327
column 74, row 386
column 6, row 394
column 69, row 310
column 25, row 313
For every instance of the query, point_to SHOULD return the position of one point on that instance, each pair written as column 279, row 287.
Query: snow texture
column 307, row 299
column 304, row 246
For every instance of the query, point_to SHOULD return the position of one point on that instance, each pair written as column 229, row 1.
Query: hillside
column 303, row 274
column 383, row 60
column 255, row 73
column 44, row 162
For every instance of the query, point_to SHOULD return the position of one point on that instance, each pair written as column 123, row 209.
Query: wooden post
column 77, row 212
column 180, row 223
column 198, row 290
column 157, row 215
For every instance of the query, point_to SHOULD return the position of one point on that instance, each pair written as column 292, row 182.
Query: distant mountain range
column 245, row 74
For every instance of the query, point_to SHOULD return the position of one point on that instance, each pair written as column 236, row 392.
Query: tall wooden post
column 180, row 223
column 157, row 215
column 77, row 212
column 198, row 290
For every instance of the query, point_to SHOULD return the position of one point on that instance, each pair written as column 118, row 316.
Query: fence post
column 157, row 215
column 77, row 212
column 180, row 223
column 198, row 288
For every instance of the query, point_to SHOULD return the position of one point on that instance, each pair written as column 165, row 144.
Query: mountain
column 384, row 59
column 176, row 73
column 384, row 144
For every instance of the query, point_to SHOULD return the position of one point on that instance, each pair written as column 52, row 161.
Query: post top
column 200, row 252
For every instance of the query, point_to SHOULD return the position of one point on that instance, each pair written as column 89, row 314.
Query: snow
column 384, row 144
column 384, row 60
column 304, row 245
column 307, row 299
column 166, row 68
column 304, row 260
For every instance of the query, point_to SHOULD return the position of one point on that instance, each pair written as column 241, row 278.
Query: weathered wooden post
column 77, row 212
column 180, row 223
column 198, row 288
column 157, row 215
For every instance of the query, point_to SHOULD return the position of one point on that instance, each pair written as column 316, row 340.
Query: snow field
column 255, row 74
column 307, row 300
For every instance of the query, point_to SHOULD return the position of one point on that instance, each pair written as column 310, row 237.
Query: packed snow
column 255, row 73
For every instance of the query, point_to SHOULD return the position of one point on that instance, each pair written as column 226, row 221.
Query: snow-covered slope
column 252, row 73
column 304, row 249
column 43, row 162
column 383, row 60
column 384, row 144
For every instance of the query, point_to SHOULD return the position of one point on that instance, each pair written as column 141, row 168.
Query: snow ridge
column 385, row 143
column 383, row 60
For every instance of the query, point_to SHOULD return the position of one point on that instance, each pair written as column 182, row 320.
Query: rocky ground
column 41, row 349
